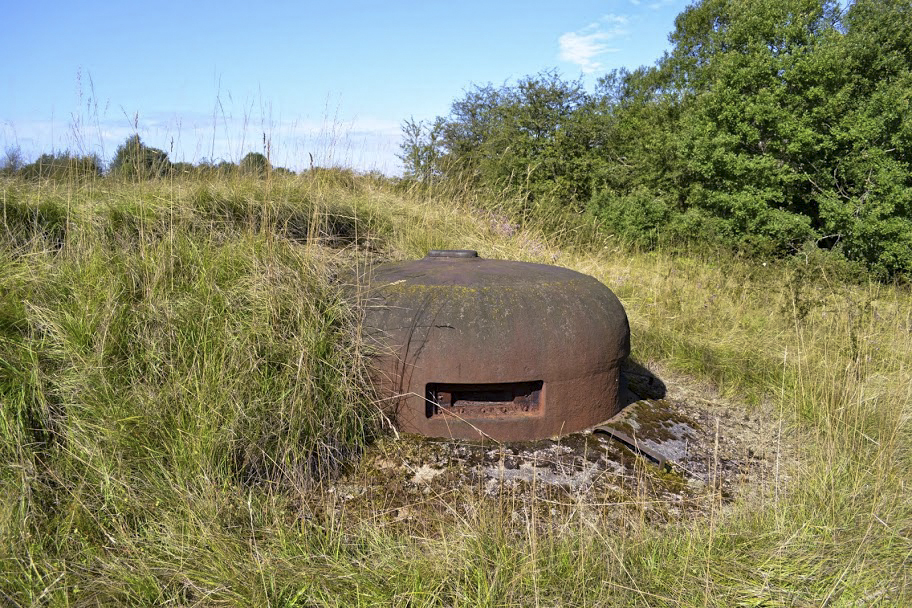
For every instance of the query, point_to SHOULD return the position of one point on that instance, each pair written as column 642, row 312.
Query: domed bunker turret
column 470, row 348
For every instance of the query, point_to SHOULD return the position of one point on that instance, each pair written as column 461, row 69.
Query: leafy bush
column 255, row 163
column 63, row 166
column 638, row 217
column 768, row 125
column 12, row 161
column 135, row 159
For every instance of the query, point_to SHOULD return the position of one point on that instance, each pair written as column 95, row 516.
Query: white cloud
column 362, row 142
column 584, row 46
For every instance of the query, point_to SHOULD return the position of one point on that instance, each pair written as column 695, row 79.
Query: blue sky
column 335, row 80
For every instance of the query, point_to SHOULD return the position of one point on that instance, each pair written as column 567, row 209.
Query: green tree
column 769, row 125
column 255, row 163
column 135, row 159
column 865, row 185
column 63, row 166
column 225, row 168
column 527, row 139
column 12, row 161
column 772, row 122
column 182, row 168
column 421, row 150
column 749, row 130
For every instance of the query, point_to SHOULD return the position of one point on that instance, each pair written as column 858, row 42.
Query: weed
column 181, row 377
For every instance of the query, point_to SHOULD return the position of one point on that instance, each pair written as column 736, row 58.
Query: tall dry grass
column 180, row 372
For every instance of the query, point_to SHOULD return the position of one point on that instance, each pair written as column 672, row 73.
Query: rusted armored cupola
column 470, row 348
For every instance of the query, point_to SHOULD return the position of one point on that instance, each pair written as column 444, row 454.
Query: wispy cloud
column 584, row 46
column 658, row 4
column 362, row 142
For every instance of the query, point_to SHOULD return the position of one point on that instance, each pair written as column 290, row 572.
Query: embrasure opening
column 472, row 400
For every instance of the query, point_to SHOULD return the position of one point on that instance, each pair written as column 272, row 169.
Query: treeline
column 133, row 159
column 771, row 127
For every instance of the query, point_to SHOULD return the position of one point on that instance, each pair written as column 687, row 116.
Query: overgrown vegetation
column 61, row 166
column 770, row 127
column 181, row 379
column 133, row 160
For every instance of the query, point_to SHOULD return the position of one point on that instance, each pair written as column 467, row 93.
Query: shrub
column 135, row 159
column 63, row 166
column 254, row 163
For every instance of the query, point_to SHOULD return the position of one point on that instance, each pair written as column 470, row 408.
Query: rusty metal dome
column 472, row 348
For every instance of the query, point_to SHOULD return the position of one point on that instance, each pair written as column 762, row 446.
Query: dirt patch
column 717, row 451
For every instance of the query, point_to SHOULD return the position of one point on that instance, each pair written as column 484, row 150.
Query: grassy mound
column 182, row 379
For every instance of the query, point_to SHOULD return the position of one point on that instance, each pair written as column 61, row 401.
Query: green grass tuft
column 182, row 378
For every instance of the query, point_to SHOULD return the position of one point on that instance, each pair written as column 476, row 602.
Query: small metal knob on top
column 452, row 253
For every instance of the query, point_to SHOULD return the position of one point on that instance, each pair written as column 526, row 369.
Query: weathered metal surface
column 509, row 399
column 471, row 348
column 654, row 455
column 452, row 253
